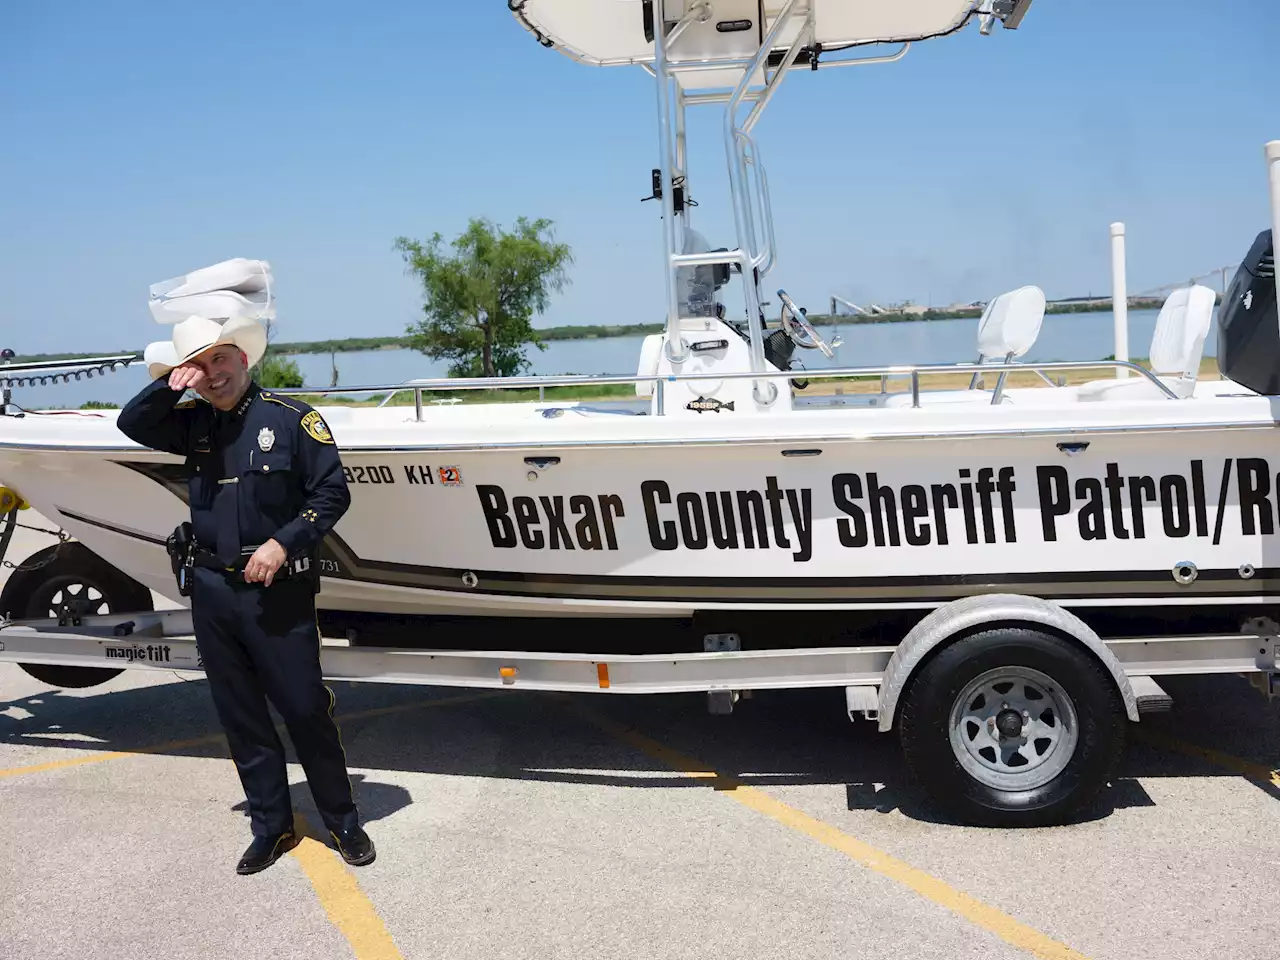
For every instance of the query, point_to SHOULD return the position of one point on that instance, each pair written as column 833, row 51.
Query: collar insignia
column 244, row 404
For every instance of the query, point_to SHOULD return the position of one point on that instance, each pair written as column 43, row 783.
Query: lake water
column 1068, row 336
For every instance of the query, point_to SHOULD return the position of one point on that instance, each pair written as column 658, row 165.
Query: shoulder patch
column 316, row 428
column 275, row 399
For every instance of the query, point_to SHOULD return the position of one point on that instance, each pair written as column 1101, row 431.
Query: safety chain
column 63, row 537
column 60, row 534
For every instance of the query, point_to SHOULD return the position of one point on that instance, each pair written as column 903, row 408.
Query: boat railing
column 914, row 371
column 31, row 372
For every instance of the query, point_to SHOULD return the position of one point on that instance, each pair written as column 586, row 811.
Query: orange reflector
column 602, row 671
column 508, row 674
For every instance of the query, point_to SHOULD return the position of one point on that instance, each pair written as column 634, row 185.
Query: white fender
column 964, row 616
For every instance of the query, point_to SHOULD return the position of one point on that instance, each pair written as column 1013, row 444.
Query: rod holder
column 1119, row 298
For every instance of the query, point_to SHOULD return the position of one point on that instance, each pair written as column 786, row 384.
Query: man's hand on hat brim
column 187, row 375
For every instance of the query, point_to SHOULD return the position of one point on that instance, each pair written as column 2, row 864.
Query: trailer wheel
column 70, row 578
column 1012, row 727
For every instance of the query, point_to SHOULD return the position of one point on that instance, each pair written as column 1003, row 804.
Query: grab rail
column 915, row 371
column 763, row 250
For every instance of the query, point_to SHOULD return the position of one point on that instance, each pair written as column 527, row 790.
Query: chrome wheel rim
column 1013, row 728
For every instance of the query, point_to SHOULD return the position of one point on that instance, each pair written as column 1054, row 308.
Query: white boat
column 729, row 501
column 734, row 492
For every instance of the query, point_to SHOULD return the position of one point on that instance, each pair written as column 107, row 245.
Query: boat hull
column 830, row 516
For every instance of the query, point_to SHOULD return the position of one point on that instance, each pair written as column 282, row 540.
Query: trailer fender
column 961, row 617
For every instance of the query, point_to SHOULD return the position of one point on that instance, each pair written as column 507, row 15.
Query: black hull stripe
column 123, row 531
column 1120, row 585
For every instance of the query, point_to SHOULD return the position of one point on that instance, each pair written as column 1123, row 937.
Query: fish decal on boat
column 705, row 404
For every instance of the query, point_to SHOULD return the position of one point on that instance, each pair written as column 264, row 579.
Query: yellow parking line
column 113, row 755
column 338, row 891
column 975, row 911
column 1246, row 768
column 217, row 737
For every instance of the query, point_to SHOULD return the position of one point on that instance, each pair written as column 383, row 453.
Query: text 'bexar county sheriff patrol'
column 978, row 506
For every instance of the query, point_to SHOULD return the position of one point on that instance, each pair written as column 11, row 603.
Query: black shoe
column 355, row 846
column 264, row 851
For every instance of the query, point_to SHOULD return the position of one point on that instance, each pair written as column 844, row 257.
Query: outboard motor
column 1248, row 327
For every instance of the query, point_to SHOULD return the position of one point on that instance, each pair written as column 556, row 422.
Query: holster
column 181, row 547
column 185, row 554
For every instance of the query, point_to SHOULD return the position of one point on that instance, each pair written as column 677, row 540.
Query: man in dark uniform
column 265, row 485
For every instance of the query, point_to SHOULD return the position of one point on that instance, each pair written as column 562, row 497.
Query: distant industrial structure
column 1155, row 296
column 1147, row 300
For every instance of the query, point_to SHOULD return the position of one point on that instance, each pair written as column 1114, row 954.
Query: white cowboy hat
column 194, row 335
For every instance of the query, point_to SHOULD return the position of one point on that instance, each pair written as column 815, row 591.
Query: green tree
column 481, row 297
column 275, row 371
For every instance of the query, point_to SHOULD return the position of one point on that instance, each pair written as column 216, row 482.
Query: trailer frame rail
column 162, row 640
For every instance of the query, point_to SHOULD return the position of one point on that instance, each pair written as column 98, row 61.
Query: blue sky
column 146, row 139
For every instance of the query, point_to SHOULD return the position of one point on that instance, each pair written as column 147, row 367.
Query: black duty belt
column 290, row 568
column 185, row 553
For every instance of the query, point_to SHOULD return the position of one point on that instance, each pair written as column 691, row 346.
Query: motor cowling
column 1248, row 326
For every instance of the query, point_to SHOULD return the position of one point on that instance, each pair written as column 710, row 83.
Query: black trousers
column 258, row 644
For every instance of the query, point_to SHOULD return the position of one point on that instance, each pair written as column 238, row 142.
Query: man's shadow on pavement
column 374, row 800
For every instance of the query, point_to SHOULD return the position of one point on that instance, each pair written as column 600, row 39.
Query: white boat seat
column 1177, row 346
column 1010, row 324
column 1007, row 330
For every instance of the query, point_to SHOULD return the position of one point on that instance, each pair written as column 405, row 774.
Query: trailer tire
column 1044, row 750
column 64, row 576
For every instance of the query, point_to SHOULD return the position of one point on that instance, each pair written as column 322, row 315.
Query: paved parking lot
column 522, row 825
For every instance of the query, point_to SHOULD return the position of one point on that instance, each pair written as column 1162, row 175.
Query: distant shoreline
column 607, row 331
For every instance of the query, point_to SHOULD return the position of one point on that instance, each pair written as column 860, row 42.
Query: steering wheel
column 800, row 330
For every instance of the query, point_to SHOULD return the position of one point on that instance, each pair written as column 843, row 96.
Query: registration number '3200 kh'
column 414, row 474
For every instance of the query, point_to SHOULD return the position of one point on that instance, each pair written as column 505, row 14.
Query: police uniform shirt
column 267, row 469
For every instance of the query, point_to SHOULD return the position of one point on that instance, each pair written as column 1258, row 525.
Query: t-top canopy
column 239, row 287
column 620, row 32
